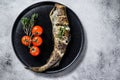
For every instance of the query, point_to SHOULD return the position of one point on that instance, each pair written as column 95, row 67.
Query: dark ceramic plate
column 73, row 50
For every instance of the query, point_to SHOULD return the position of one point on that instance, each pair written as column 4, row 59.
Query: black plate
column 74, row 48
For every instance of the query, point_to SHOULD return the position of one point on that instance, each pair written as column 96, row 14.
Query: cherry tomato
column 37, row 30
column 26, row 40
column 37, row 41
column 34, row 51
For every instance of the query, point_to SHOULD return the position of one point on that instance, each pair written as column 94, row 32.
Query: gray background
column 101, row 21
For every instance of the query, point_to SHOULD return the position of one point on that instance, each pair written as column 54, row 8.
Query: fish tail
column 38, row 69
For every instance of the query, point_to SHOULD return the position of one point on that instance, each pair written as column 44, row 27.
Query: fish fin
column 57, row 64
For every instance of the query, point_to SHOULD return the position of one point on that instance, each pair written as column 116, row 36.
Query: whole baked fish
column 61, row 35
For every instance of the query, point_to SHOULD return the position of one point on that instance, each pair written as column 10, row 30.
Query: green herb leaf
column 28, row 23
column 25, row 22
column 61, row 32
column 33, row 18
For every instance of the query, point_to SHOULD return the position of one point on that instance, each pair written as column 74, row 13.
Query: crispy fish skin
column 61, row 33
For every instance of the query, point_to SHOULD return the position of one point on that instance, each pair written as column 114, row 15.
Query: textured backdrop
column 101, row 21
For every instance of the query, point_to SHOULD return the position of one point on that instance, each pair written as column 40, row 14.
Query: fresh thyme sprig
column 28, row 23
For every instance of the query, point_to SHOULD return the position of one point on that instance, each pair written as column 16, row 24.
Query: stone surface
column 101, row 21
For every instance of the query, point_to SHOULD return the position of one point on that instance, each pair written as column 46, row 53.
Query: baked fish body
column 61, row 35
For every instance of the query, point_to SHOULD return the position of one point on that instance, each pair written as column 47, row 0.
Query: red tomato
column 26, row 40
column 37, row 41
column 34, row 51
column 37, row 30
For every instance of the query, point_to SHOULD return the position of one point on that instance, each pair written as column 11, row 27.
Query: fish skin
column 59, row 20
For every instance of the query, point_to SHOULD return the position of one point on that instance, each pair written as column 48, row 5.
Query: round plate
column 73, row 50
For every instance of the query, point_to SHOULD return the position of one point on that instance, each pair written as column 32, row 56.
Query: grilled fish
column 61, row 35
